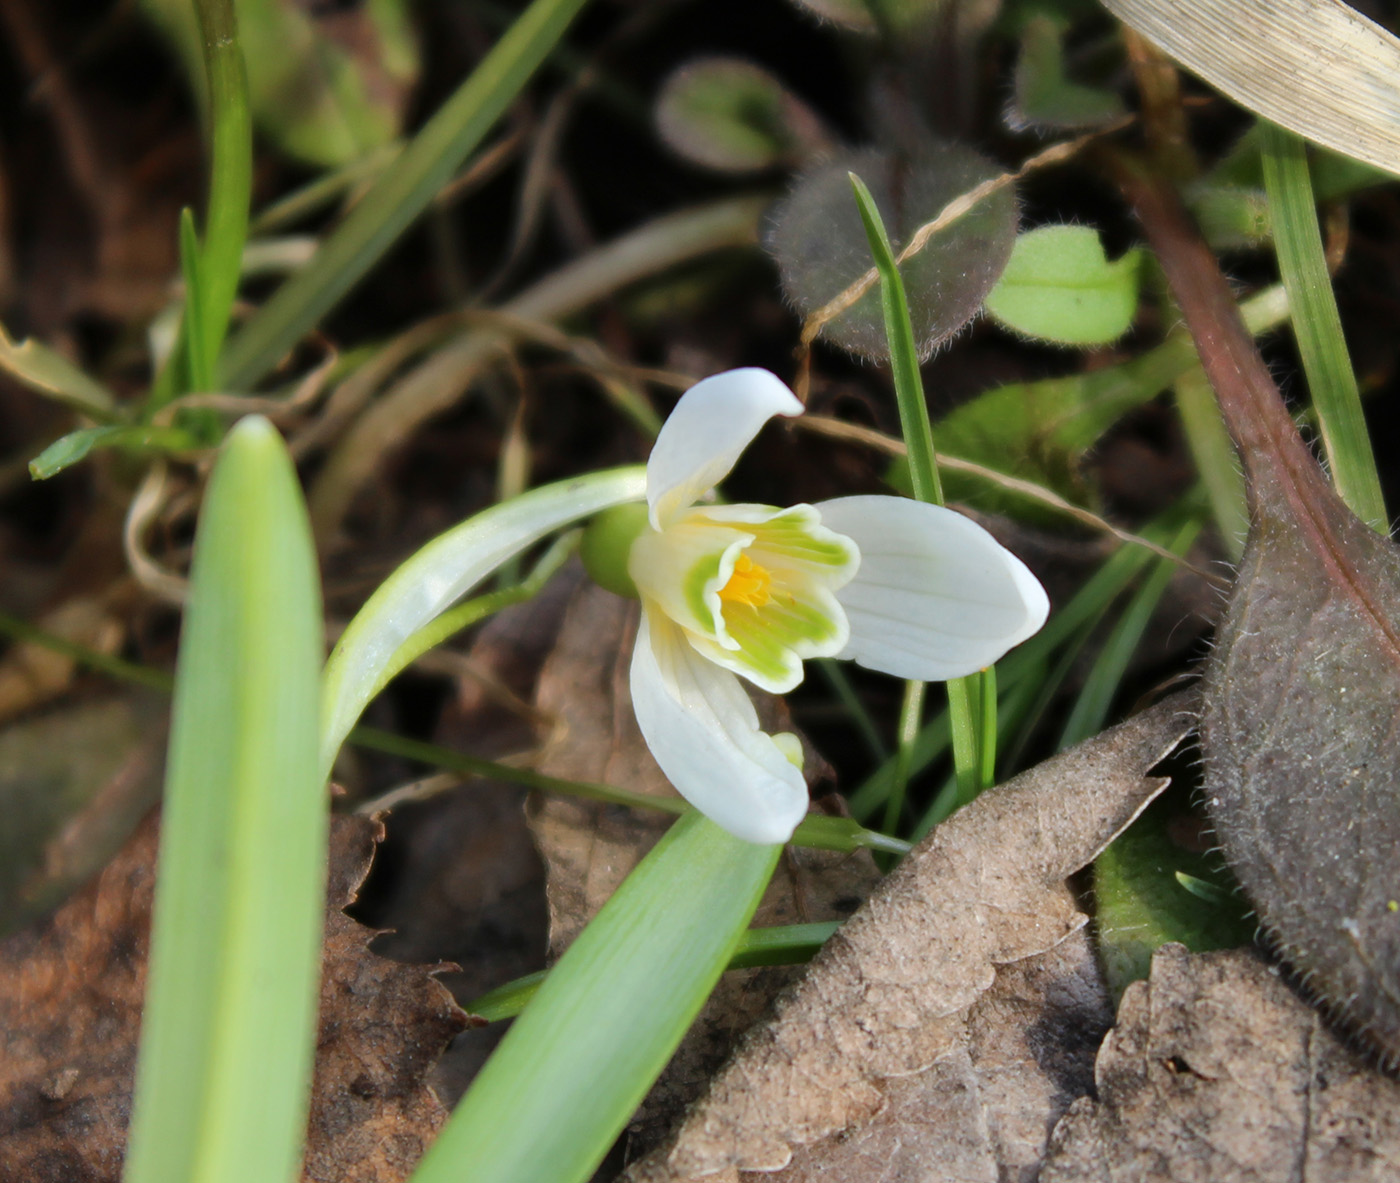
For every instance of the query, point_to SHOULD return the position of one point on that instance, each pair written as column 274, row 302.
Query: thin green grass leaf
column 1091, row 709
column 575, row 1065
column 923, row 463
column 787, row 944
column 438, row 575
column 227, row 1037
column 840, row 682
column 398, row 196
column 1318, row 326
column 230, row 175
column 192, row 322
column 67, row 450
column 911, row 714
column 815, row 831
column 1215, row 459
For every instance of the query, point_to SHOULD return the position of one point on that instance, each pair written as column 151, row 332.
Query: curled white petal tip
column 936, row 596
column 713, row 422
column 703, row 730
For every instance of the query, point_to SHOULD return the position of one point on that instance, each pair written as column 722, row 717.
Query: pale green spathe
column 229, row 1027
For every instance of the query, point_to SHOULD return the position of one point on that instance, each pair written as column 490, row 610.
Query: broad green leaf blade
column 227, row 1039
column 732, row 115
column 399, row 195
column 1043, row 96
column 577, row 1062
column 1059, row 285
column 327, row 84
column 1041, row 431
column 1140, row 902
column 439, row 575
column 1318, row 327
column 43, row 369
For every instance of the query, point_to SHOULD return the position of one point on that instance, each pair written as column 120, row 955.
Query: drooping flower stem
column 971, row 717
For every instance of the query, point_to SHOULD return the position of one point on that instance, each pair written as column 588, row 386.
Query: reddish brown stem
column 1287, row 489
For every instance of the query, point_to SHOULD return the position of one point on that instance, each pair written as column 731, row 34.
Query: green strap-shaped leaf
column 443, row 572
column 399, row 195
column 581, row 1057
column 229, row 1027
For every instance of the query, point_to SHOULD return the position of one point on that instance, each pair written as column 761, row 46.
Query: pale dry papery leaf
column 1218, row 1073
column 1300, row 722
column 1317, row 67
column 589, row 847
column 889, row 995
column 983, row 1110
column 71, row 989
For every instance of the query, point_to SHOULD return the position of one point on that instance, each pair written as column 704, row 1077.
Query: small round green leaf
column 872, row 16
column 732, row 115
column 1060, row 286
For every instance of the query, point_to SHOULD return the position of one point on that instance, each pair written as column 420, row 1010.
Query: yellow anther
column 749, row 584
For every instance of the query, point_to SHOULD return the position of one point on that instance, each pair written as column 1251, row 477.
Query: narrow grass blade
column 1215, row 459
column 1090, row 712
column 229, row 1027
column 1318, row 326
column 398, row 196
column 435, row 578
column 67, row 450
column 192, row 321
column 787, row 944
column 577, row 1062
column 923, row 463
column 230, row 172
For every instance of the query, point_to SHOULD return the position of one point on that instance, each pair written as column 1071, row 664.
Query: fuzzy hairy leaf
column 1301, row 723
column 821, row 248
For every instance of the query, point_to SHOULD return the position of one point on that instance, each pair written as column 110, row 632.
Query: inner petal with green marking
column 752, row 586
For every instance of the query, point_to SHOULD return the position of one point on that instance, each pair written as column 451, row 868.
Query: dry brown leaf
column 1218, row 1073
column 70, row 1000
column 461, row 880
column 985, row 1108
column 889, row 994
column 74, row 784
column 590, row 847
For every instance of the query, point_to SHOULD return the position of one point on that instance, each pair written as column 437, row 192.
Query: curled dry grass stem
column 855, row 433
column 950, row 213
column 441, row 379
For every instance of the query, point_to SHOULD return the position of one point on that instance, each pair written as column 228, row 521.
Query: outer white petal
column 936, row 596
column 702, row 438
column 704, row 733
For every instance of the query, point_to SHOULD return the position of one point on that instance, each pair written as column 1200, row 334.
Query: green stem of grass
column 1318, row 326
column 398, row 196
column 963, row 693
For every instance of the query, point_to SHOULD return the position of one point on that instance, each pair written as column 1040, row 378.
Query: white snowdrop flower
column 750, row 591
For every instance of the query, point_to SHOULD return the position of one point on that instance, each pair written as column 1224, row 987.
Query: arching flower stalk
column 731, row 591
